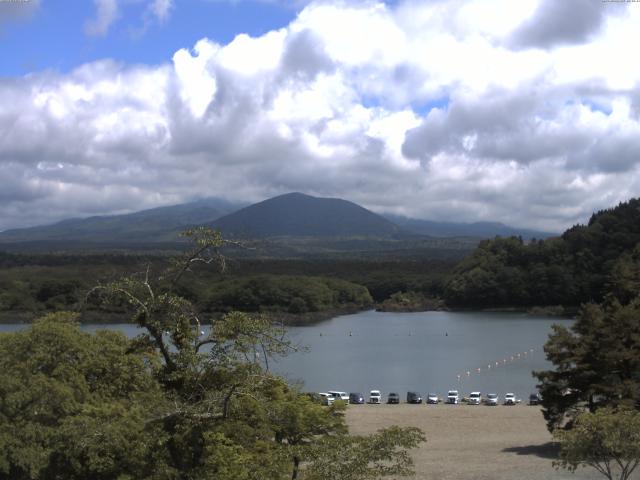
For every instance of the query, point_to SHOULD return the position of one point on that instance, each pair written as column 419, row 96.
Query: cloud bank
column 428, row 109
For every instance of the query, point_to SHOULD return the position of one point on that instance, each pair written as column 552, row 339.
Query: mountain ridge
column 482, row 229
column 292, row 215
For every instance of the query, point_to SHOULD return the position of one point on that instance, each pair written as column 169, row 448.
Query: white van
column 375, row 396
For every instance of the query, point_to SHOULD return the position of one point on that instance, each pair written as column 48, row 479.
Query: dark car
column 413, row 397
column 534, row 399
column 356, row 398
column 393, row 397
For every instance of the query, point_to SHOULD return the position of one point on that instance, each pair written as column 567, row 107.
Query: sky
column 525, row 112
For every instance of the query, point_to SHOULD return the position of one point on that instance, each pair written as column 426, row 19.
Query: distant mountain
column 299, row 215
column 294, row 223
column 476, row 229
column 160, row 224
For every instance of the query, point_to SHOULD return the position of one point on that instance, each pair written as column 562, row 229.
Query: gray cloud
column 564, row 22
column 17, row 11
column 524, row 127
column 304, row 56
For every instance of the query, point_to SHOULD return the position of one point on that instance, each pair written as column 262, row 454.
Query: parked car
column 492, row 399
column 375, row 396
column 414, row 397
column 326, row 399
column 475, row 398
column 432, row 398
column 344, row 396
column 356, row 398
column 535, row 399
column 510, row 399
column 453, row 397
column 393, row 397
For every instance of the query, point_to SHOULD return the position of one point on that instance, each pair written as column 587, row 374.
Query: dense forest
column 582, row 265
column 33, row 284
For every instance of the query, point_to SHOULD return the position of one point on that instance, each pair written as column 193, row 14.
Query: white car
column 326, row 398
column 491, row 399
column 475, row 398
column 453, row 397
column 432, row 398
column 510, row 399
column 344, row 396
column 375, row 396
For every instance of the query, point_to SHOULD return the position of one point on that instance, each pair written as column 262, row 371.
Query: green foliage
column 624, row 279
column 606, row 440
column 361, row 458
column 596, row 362
column 24, row 276
column 581, row 266
column 74, row 405
column 295, row 294
column 410, row 302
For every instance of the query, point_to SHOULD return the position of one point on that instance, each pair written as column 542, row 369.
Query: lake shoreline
column 294, row 320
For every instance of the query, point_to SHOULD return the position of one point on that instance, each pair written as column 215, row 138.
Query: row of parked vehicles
column 453, row 398
column 356, row 398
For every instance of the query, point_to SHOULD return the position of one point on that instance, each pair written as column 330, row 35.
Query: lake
column 425, row 352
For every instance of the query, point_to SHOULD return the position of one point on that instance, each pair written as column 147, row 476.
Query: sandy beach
column 467, row 442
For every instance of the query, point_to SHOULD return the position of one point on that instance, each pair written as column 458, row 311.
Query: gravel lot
column 471, row 442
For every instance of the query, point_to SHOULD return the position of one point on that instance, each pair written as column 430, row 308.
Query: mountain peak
column 299, row 215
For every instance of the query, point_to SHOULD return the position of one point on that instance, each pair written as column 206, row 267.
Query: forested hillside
column 579, row 266
column 33, row 284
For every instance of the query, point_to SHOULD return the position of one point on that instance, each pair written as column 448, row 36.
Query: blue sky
column 437, row 109
column 54, row 37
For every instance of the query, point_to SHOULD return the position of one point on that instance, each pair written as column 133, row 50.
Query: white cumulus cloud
column 440, row 110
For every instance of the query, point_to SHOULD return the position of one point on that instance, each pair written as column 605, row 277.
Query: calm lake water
column 424, row 352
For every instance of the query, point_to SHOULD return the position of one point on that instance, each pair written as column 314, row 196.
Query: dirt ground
column 466, row 442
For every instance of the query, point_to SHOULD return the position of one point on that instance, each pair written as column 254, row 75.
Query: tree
column 228, row 416
column 624, row 280
column 596, row 362
column 364, row 457
column 75, row 405
column 606, row 440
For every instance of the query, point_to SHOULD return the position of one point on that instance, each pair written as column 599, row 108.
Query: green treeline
column 289, row 293
column 582, row 265
column 31, row 285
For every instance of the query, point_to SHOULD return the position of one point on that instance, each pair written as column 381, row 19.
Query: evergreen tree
column 596, row 362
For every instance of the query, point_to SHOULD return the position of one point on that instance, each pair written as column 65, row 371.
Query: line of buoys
column 446, row 334
column 496, row 364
